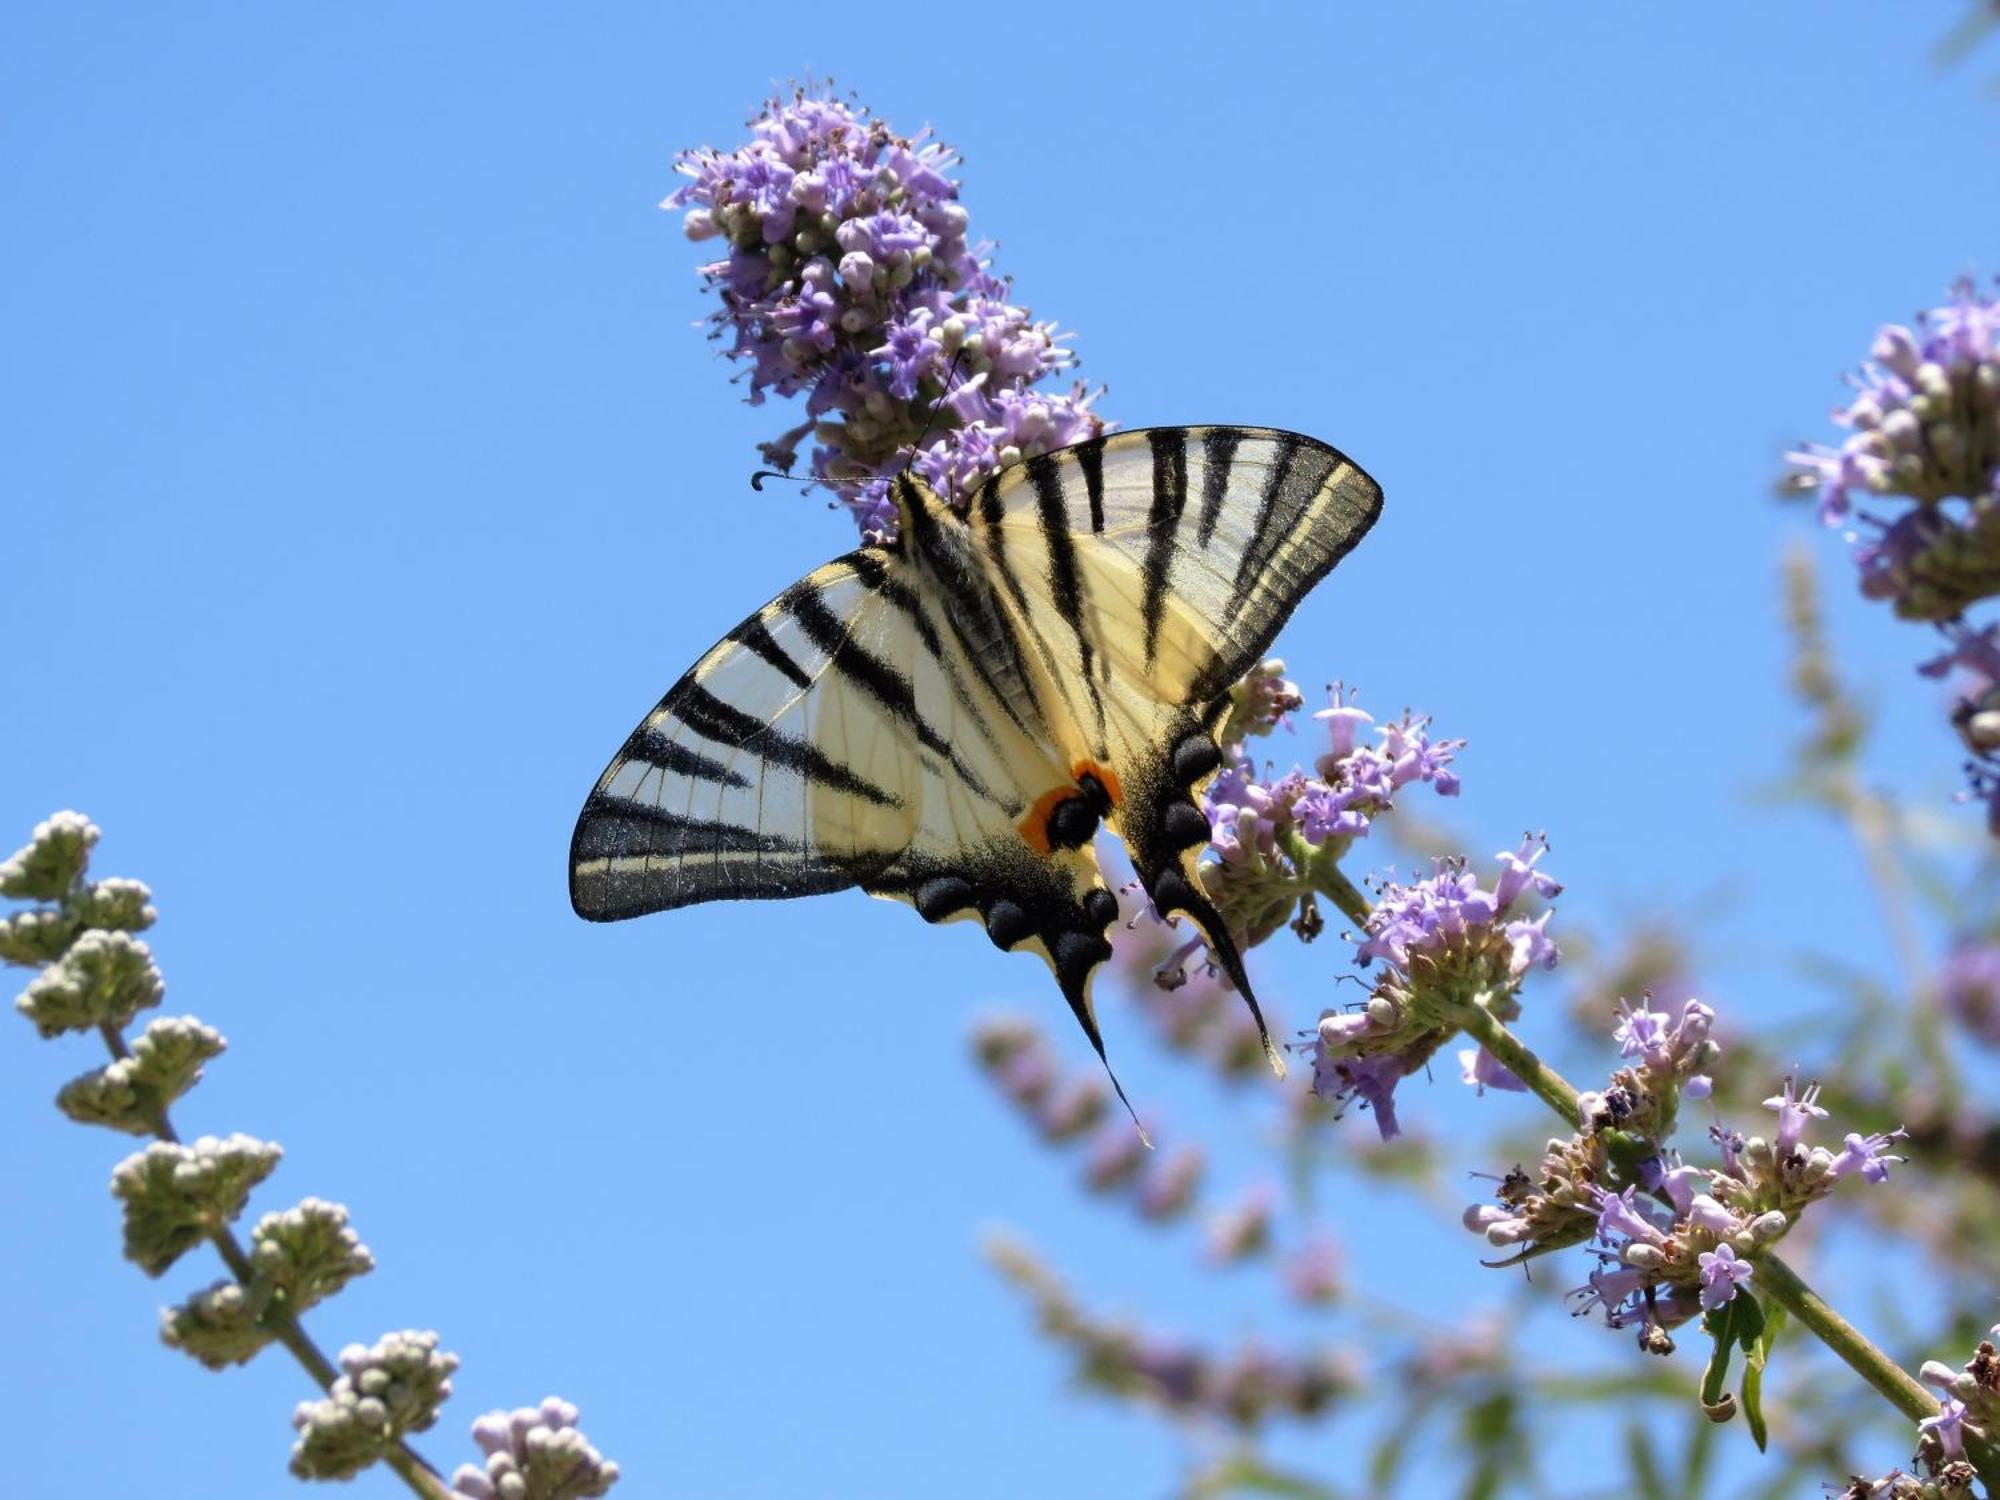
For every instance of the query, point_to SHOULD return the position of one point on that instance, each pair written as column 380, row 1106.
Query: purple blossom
column 1909, row 436
column 1705, row 1213
column 1450, row 909
column 1947, row 1427
column 1626, row 1216
column 1868, row 1155
column 1722, row 1272
column 1481, row 1071
column 1969, row 981
column 1616, row 1289
column 1313, row 1273
column 1371, row 1080
column 848, row 279
column 1794, row 1111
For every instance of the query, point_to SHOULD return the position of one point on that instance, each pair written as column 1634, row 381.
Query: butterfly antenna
column 930, row 421
column 757, row 479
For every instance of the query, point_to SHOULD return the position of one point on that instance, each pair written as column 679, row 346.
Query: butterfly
column 947, row 719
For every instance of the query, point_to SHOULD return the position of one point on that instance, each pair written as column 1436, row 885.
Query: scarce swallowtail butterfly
column 948, row 718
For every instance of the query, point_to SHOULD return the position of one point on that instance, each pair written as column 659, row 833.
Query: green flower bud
column 106, row 977
column 387, row 1391
column 308, row 1253
column 133, row 1093
column 218, row 1326
column 174, row 1195
column 34, row 938
column 52, row 862
column 124, row 905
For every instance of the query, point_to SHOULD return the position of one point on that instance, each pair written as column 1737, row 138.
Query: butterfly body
column 949, row 718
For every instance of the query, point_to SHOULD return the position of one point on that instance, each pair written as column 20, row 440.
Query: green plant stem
column 1327, row 879
column 281, row 1321
column 1774, row 1278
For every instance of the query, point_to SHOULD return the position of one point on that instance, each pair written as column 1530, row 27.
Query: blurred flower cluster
column 849, row 278
column 1243, row 1389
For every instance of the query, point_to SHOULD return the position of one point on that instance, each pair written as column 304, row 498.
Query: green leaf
column 1756, row 1354
column 1647, row 1480
column 1749, row 1324
column 1720, row 1325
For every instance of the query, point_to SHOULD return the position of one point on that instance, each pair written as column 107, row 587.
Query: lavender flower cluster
column 1242, row 1390
column 1065, row 1109
column 1969, row 982
column 1674, row 1240
column 1925, row 423
column 849, row 279
column 1444, row 942
column 1917, row 484
column 1274, row 837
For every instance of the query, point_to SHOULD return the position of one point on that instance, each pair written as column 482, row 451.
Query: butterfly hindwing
column 1155, row 568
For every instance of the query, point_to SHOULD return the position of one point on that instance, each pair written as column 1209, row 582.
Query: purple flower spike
column 849, row 279
column 1722, row 1272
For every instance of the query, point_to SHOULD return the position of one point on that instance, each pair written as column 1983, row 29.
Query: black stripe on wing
column 1052, row 502
column 1169, row 450
column 654, row 860
column 724, row 724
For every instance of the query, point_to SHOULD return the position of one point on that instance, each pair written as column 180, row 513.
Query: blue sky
column 368, row 479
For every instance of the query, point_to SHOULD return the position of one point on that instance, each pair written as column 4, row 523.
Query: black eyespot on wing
column 941, row 895
column 1170, row 891
column 1101, row 907
column 1194, row 758
column 1075, row 955
column 1183, row 825
column 1008, row 922
column 1072, row 823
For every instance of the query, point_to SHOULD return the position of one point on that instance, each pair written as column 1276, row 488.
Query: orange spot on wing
column 1035, row 825
column 1106, row 777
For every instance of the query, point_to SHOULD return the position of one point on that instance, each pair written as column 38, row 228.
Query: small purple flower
column 1947, row 1427
column 1794, row 1111
column 1868, row 1155
column 1721, row 1274
column 1313, row 1273
column 1372, row 1080
column 1705, row 1213
column 1625, row 1216
column 1615, row 1289
column 1481, row 1070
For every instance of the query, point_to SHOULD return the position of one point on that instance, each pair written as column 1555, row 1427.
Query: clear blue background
column 365, row 480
